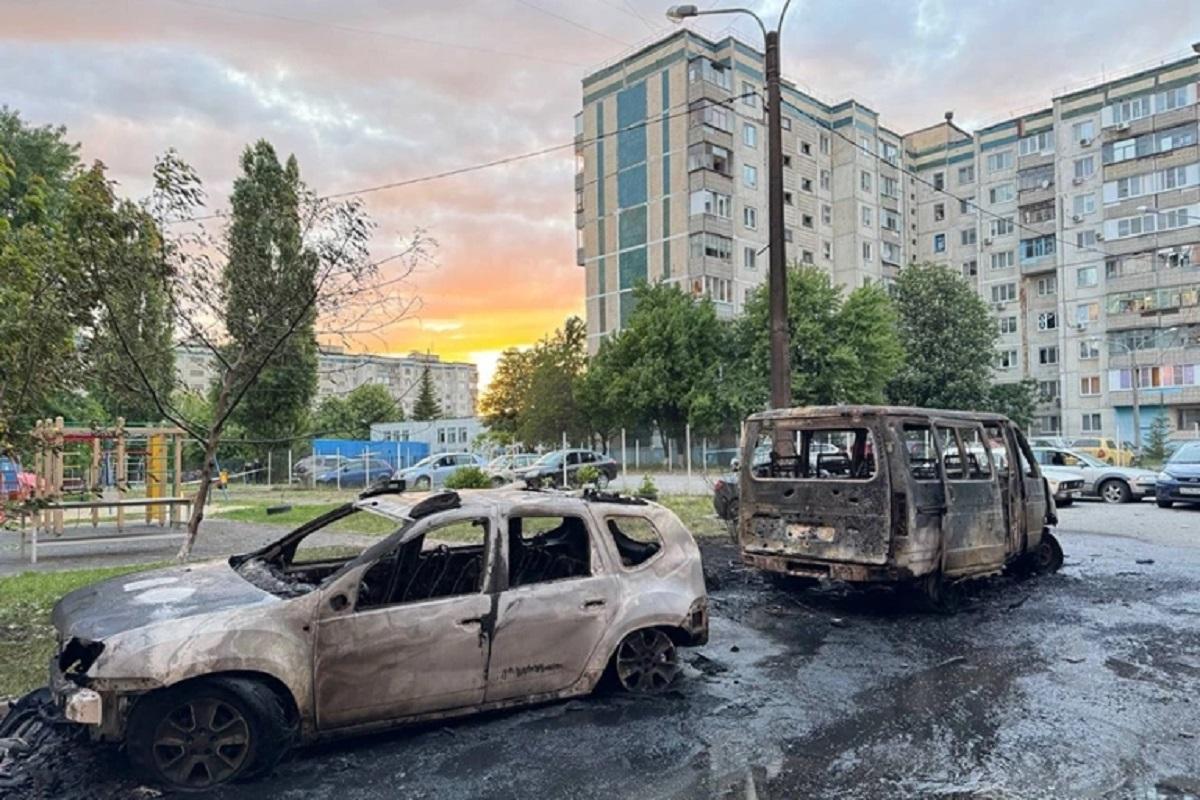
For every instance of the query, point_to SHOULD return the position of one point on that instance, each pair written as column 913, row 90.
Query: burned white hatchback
column 478, row 600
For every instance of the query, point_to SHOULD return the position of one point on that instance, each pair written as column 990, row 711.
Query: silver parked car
column 432, row 471
column 479, row 600
column 1110, row 483
column 503, row 469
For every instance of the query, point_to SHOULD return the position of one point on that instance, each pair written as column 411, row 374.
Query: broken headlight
column 77, row 656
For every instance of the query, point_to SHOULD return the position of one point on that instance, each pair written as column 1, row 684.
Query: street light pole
column 781, row 383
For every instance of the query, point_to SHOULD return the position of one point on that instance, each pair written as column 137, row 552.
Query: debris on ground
column 1145, row 561
column 839, row 622
column 707, row 665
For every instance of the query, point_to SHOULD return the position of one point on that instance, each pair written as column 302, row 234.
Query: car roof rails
column 598, row 496
column 442, row 501
column 390, row 486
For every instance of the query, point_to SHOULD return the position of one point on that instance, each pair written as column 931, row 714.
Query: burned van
column 887, row 494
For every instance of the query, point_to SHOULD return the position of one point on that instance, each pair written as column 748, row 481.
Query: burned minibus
column 871, row 494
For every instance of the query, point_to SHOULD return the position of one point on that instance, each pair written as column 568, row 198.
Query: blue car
column 1179, row 481
column 356, row 472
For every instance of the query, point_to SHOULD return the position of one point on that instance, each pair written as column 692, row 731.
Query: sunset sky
column 367, row 92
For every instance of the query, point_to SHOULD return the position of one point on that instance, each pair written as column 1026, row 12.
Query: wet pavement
column 1080, row 684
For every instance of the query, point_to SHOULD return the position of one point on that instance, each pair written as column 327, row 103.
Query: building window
column 866, row 216
column 749, row 135
column 1006, row 359
column 806, row 257
column 939, row 243
column 939, row 181
column 1087, row 277
column 1088, row 350
column 787, row 162
column 707, row 201
column 806, row 148
column 1002, row 226
column 750, row 176
column 749, row 95
column 1084, row 132
column 1085, row 168
column 889, row 152
column 827, row 250
column 719, row 289
column 964, row 205
column 749, row 258
column 787, row 233
column 1047, row 321
column 825, row 179
column 1047, row 391
column 970, row 268
column 825, row 143
column 705, row 155
column 1008, row 325
column 788, row 199
column 864, row 180
column 1033, row 249
column 1002, row 260
column 1004, row 292
column 711, row 245
column 1000, row 161
column 939, row 212
column 713, row 116
column 966, row 174
column 1091, row 423
column 1048, row 355
column 889, row 187
column 1036, row 143
column 1085, row 239
column 967, row 236
column 704, row 69
column 1134, row 108
column 889, row 252
column 806, row 220
column 866, row 252
column 1084, row 204
column 1048, row 286
column 1001, row 194
column 826, row 215
column 806, row 185
column 750, row 217
column 1089, row 386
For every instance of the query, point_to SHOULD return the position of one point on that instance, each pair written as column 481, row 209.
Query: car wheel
column 209, row 732
column 646, row 662
column 497, row 482
column 423, row 483
column 1164, row 503
column 1115, row 491
column 602, row 481
column 1049, row 555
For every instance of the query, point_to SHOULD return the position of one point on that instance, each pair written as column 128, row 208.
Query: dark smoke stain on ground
column 1086, row 683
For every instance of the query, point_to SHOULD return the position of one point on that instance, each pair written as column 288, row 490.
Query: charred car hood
column 131, row 601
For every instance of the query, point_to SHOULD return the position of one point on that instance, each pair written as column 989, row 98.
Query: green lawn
column 256, row 512
column 26, row 636
column 697, row 514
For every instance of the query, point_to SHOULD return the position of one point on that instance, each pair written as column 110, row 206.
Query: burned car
column 477, row 601
column 897, row 495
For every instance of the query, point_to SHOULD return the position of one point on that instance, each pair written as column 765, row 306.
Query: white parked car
column 432, row 471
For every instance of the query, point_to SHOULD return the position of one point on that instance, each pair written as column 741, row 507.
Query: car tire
column 646, row 662
column 246, row 726
column 497, row 482
column 1164, row 503
column 1115, row 491
column 1066, row 501
column 423, row 483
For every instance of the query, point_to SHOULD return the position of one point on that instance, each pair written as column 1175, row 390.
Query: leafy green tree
column 426, row 405
column 663, row 367
column 843, row 348
column 1154, row 449
column 269, row 264
column 551, row 407
column 1017, row 401
column 949, row 337
column 506, row 396
column 351, row 417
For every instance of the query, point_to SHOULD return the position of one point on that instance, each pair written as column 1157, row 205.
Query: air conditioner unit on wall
column 1085, row 142
column 1076, row 218
column 1124, row 126
column 1077, row 181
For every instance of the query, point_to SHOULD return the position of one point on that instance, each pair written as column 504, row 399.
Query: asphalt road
column 1080, row 684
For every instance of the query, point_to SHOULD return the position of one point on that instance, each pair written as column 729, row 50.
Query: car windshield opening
column 547, row 548
column 795, row 449
column 446, row 560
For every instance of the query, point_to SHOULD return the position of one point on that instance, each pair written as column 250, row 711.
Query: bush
column 647, row 491
column 468, row 478
column 588, row 474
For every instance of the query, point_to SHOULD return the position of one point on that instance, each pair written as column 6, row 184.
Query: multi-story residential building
column 455, row 384
column 1078, row 224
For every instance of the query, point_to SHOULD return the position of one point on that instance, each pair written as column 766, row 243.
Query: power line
column 376, row 33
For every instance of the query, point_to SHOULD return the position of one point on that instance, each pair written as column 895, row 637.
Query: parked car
column 503, row 469
column 311, row 466
column 1048, row 441
column 432, row 471
column 548, row 470
column 480, row 600
column 913, row 496
column 1104, row 449
column 1110, row 483
column 1179, row 481
column 1065, row 485
column 356, row 472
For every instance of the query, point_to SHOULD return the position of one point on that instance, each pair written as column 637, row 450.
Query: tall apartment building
column 1078, row 224
column 455, row 384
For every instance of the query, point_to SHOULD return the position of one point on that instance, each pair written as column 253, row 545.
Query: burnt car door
column 412, row 636
column 1036, row 503
column 559, row 598
column 973, row 534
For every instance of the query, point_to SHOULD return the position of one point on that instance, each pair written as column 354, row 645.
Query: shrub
column 468, row 478
column 647, row 491
column 587, row 474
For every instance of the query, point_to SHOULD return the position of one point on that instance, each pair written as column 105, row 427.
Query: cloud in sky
column 363, row 93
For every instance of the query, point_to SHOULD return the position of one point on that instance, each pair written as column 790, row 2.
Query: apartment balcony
column 707, row 133
column 1039, row 193
column 709, row 91
column 710, row 223
column 1178, row 157
column 1043, row 227
column 1036, row 266
column 1034, row 160
column 1153, row 395
column 708, row 177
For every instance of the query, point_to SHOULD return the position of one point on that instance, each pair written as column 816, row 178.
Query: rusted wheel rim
column 1112, row 492
column 201, row 743
column 646, row 662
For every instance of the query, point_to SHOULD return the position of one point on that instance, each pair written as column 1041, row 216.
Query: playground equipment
column 110, row 453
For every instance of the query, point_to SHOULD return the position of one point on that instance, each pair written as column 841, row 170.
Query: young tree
column 426, row 405
column 267, row 255
column 351, row 417
column 551, row 407
column 506, row 396
column 1017, row 401
column 332, row 284
column 949, row 338
column 1154, row 450
column 843, row 348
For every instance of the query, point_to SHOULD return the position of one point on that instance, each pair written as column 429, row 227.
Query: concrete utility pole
column 781, row 384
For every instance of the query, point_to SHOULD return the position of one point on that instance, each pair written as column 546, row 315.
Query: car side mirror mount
column 339, row 602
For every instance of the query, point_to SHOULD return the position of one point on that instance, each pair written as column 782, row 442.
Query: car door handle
column 471, row 621
column 931, row 509
column 593, row 603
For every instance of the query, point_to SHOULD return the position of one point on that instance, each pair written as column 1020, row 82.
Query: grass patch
column 256, row 512
column 696, row 512
column 26, row 635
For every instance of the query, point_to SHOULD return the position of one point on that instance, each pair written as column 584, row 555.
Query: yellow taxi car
column 1106, row 450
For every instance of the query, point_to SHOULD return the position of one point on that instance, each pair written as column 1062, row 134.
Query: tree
column 1017, row 401
column 949, row 337
column 351, row 417
column 663, row 367
column 505, row 398
column 268, row 259
column 426, row 405
column 551, row 408
column 1154, row 450
column 842, row 348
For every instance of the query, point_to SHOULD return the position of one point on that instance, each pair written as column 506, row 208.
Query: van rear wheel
column 1049, row 555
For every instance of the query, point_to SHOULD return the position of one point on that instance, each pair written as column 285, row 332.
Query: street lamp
column 781, row 391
